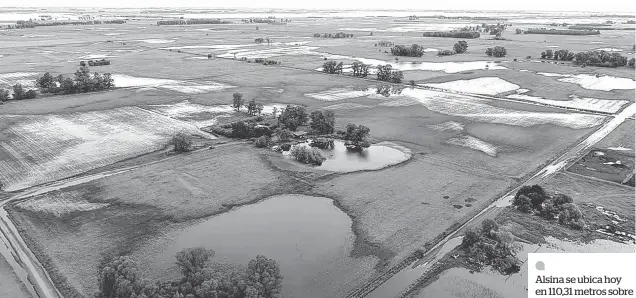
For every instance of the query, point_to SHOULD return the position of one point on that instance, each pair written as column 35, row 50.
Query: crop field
column 65, row 145
column 476, row 126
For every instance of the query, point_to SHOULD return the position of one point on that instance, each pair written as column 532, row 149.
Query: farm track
column 18, row 254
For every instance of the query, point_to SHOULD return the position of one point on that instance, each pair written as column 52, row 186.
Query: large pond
column 309, row 237
column 377, row 156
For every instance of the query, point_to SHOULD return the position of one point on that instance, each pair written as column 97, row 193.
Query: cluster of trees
column 323, row 122
column 387, row 74
column 266, row 61
column 561, row 31
column 602, row 58
column 201, row 278
column 563, row 55
column 490, row 245
column 259, row 20
column 497, row 51
column 360, row 69
column 19, row 93
column 533, row 199
column 453, row 34
column 82, row 82
column 262, row 40
column 254, row 108
column 334, row 35
column 307, row 154
column 95, row 62
column 356, row 136
column 332, row 67
column 445, row 53
column 414, row 50
column 387, row 90
column 385, row 43
column 192, row 22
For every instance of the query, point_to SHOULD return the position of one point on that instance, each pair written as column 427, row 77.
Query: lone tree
column 237, row 101
column 323, row 122
column 293, row 117
column 251, row 107
column 4, row 95
column 460, row 47
column 181, row 142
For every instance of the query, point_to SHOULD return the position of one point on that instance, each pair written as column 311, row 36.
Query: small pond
column 377, row 156
column 309, row 237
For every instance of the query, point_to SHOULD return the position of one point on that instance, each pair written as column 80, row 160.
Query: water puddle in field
column 447, row 67
column 309, row 237
column 60, row 204
column 204, row 115
column 376, row 157
column 470, row 107
column 187, row 87
column 593, row 82
column 484, row 85
column 471, row 142
column 590, row 104
column 609, row 49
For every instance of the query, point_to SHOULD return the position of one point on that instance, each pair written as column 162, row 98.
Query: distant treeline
column 441, row 17
column 33, row 24
column 261, row 20
column 599, row 28
column 193, row 22
column 95, row 62
column 453, row 34
column 561, row 32
column 334, row 35
column 590, row 58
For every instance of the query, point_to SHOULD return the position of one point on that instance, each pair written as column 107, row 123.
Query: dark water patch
column 458, row 206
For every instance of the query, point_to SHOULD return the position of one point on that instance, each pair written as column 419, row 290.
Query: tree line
column 453, row 34
column 192, row 22
column 33, row 24
column 384, row 72
column 592, row 58
column 334, row 35
column 19, row 93
column 458, row 48
column 95, row 62
column 561, row 31
column 200, row 278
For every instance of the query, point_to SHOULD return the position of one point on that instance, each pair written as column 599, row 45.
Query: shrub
column 499, row 51
column 332, row 67
column 445, row 53
column 360, row 69
column 308, row 155
column 262, row 142
column 4, row 95
column 181, row 142
column 489, row 225
column 241, row 129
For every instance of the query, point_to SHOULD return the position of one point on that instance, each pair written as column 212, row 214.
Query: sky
column 620, row 6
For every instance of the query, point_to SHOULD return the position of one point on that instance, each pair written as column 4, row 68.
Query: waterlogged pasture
column 187, row 87
column 39, row 148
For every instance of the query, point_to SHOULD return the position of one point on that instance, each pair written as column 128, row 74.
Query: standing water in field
column 309, row 237
column 376, row 157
